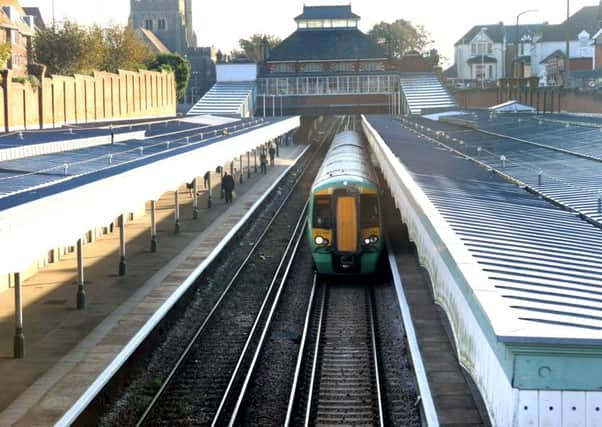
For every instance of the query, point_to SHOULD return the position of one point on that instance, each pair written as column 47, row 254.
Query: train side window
column 322, row 212
column 368, row 211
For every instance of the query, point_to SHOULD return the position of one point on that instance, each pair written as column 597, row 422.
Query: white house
column 489, row 51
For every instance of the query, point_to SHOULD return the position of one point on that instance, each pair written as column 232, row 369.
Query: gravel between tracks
column 152, row 366
column 397, row 377
column 269, row 390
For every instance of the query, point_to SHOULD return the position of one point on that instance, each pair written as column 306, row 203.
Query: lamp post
column 567, row 65
column 516, row 40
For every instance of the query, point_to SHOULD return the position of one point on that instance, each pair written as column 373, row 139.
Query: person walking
column 272, row 152
column 263, row 160
column 228, row 184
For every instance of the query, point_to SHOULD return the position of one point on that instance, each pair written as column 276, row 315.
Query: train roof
column 346, row 158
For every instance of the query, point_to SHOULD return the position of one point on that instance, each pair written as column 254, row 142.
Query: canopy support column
column 81, row 293
column 153, row 230
column 177, row 226
column 19, row 341
column 122, row 265
column 195, row 199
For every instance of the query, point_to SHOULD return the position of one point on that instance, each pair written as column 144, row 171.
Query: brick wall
column 571, row 101
column 76, row 99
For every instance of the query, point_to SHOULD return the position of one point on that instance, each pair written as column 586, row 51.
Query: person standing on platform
column 263, row 160
column 272, row 152
column 228, row 184
column 206, row 179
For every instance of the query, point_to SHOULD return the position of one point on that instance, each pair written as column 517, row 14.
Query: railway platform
column 514, row 270
column 68, row 348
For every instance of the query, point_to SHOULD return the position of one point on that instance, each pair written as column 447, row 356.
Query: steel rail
column 202, row 327
column 291, row 400
column 215, row 307
column 314, row 367
column 289, row 256
column 379, row 397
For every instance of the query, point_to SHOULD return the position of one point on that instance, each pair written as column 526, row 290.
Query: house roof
column 151, row 40
column 585, row 19
column 19, row 23
column 556, row 54
column 327, row 12
column 327, row 44
column 482, row 60
column 451, row 72
column 497, row 32
column 35, row 12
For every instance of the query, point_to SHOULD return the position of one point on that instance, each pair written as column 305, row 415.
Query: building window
column 311, row 68
column 479, row 71
column 342, row 67
column 371, row 66
column 283, row 68
column 482, row 47
column 161, row 25
column 148, row 24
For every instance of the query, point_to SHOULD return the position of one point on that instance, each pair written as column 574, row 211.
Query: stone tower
column 170, row 20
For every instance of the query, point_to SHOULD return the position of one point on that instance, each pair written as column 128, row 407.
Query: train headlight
column 372, row 240
column 320, row 241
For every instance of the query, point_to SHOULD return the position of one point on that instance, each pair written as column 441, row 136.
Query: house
column 16, row 29
column 490, row 52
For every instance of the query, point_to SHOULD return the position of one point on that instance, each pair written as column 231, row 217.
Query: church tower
column 169, row 20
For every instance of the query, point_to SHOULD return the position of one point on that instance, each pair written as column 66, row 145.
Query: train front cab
column 346, row 231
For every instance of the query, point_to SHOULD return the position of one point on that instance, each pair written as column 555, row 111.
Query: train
column 344, row 217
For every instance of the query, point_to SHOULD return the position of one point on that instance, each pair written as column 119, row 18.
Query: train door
column 347, row 222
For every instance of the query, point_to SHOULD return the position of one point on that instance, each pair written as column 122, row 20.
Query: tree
column 124, row 50
column 69, row 48
column 251, row 47
column 177, row 64
column 402, row 35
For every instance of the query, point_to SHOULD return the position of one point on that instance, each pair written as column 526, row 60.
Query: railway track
column 342, row 378
column 202, row 385
column 193, row 394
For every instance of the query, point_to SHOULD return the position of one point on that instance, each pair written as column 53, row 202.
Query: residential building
column 489, row 52
column 16, row 29
column 37, row 17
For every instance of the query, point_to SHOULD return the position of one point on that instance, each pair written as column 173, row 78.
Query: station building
column 329, row 62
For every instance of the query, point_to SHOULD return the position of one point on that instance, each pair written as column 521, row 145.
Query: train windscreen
column 368, row 211
column 322, row 212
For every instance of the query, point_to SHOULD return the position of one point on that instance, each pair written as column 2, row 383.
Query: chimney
column 265, row 49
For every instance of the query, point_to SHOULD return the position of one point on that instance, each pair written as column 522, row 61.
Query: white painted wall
column 236, row 72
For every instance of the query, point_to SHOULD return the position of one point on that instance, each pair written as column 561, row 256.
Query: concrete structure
column 489, row 52
column 61, row 100
column 16, row 28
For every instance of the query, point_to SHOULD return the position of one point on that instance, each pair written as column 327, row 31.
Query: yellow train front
column 345, row 227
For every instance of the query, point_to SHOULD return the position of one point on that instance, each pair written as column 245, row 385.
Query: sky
column 222, row 23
